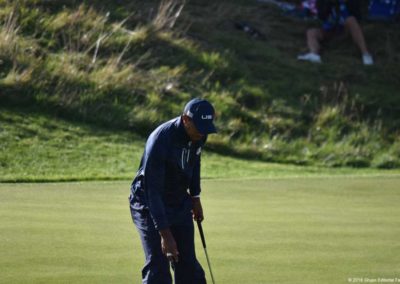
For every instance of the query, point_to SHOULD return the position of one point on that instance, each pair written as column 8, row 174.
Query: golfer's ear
column 185, row 118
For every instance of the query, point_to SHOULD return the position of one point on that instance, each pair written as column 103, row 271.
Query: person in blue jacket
column 165, row 195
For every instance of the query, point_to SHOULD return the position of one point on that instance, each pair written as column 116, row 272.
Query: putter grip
column 201, row 233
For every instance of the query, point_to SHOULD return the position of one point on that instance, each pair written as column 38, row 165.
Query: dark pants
column 157, row 268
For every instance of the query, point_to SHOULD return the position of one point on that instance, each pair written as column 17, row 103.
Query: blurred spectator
column 310, row 5
column 307, row 9
column 384, row 10
column 336, row 16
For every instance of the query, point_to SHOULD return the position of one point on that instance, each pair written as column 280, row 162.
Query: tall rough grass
column 137, row 68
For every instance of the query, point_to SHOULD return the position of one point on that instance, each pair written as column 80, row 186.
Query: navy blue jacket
column 170, row 166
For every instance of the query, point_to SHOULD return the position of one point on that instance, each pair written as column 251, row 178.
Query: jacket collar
column 181, row 132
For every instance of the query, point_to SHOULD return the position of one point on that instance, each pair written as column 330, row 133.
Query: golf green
column 311, row 230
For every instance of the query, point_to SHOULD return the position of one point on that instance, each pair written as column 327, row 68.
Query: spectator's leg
column 352, row 25
column 314, row 37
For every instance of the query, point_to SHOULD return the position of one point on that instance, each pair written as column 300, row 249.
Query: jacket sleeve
column 154, row 176
column 194, row 187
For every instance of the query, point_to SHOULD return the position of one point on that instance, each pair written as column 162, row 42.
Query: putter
column 203, row 240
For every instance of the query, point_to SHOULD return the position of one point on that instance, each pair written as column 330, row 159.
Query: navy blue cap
column 202, row 113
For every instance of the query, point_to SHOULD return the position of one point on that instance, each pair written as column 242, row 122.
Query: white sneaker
column 312, row 57
column 367, row 59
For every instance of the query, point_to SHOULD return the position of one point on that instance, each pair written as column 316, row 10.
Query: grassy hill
column 35, row 147
column 128, row 65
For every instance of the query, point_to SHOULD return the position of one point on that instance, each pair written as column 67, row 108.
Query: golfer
column 165, row 195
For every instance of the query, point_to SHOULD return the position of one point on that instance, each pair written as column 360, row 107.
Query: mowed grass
column 302, row 230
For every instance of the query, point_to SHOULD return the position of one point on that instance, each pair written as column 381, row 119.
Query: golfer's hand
column 168, row 245
column 197, row 210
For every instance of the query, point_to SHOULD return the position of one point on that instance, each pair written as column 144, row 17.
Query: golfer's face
column 191, row 130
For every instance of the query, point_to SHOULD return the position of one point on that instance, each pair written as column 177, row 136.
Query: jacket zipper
column 187, row 153
column 182, row 158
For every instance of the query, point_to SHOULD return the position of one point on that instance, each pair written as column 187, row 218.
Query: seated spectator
column 310, row 6
column 336, row 16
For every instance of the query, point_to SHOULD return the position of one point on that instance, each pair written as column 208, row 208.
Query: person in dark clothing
column 336, row 16
column 165, row 195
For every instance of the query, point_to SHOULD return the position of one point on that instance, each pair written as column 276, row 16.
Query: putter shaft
column 203, row 240
column 209, row 266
